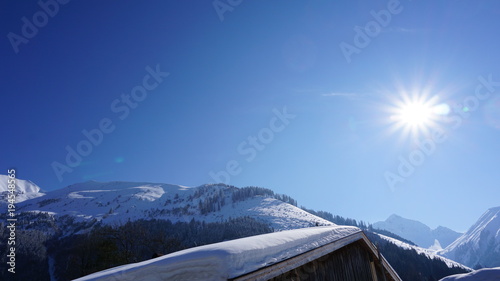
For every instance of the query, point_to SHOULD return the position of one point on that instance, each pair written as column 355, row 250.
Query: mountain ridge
column 173, row 216
column 480, row 245
column 118, row 201
column 418, row 232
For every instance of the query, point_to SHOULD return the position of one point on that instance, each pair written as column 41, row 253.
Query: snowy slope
column 418, row 232
column 480, row 244
column 429, row 253
column 485, row 274
column 24, row 190
column 117, row 202
column 229, row 259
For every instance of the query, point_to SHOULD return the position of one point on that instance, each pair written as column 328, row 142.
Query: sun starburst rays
column 415, row 114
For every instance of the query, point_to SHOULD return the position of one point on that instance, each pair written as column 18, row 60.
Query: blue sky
column 321, row 119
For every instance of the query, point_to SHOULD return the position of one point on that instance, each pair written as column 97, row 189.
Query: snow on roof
column 229, row 259
column 485, row 274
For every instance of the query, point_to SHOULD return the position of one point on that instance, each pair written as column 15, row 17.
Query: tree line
column 106, row 246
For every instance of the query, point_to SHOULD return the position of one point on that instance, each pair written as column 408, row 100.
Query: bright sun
column 414, row 114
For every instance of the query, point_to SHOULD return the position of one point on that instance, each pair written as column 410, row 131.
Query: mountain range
column 418, row 232
column 479, row 247
column 119, row 202
column 78, row 208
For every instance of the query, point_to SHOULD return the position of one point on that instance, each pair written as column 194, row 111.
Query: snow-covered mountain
column 480, row 245
column 24, row 190
column 118, row 202
column 70, row 215
column 418, row 232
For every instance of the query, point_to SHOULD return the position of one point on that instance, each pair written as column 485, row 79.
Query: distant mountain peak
column 494, row 209
column 440, row 227
column 394, row 217
column 436, row 246
column 417, row 232
column 25, row 189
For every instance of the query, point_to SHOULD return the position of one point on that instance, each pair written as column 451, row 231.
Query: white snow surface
column 228, row 259
column 24, row 190
column 429, row 253
column 485, row 274
column 118, row 202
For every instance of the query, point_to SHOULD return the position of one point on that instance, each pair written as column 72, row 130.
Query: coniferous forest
column 107, row 246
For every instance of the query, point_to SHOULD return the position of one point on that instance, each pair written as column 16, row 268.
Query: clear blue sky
column 231, row 68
